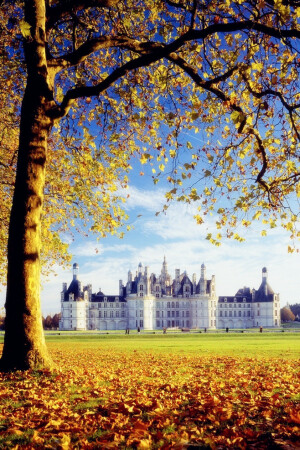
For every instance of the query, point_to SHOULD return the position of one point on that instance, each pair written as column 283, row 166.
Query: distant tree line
column 51, row 322
column 289, row 313
column 2, row 318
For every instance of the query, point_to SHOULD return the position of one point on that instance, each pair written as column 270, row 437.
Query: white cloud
column 150, row 200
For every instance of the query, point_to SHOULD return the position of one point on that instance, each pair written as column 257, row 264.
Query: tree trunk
column 24, row 343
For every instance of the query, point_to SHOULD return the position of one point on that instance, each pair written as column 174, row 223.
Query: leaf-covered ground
column 116, row 399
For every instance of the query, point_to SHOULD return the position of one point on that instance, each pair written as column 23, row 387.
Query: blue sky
column 176, row 235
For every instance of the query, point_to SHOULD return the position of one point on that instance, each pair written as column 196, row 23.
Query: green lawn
column 282, row 345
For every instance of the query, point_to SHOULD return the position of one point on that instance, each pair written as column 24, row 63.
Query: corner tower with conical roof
column 250, row 308
column 74, row 303
column 266, row 308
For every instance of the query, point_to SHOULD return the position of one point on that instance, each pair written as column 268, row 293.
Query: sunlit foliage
column 135, row 79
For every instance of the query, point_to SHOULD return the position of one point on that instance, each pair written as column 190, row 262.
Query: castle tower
column 74, row 302
column 164, row 266
column 75, row 271
column 265, row 280
column 203, row 280
column 147, row 280
column 140, row 269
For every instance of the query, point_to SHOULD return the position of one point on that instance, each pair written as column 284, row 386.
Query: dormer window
column 141, row 287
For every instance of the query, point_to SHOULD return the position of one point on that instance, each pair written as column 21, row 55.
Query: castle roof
column 74, row 288
column 185, row 281
column 100, row 297
column 264, row 293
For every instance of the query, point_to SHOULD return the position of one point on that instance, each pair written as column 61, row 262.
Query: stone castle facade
column 152, row 302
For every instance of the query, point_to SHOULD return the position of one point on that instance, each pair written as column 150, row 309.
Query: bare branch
column 65, row 7
column 265, row 92
column 86, row 49
column 89, row 91
column 176, row 4
column 208, row 85
column 194, row 13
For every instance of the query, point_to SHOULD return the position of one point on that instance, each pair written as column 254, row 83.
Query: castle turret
column 147, row 280
column 203, row 280
column 74, row 304
column 75, row 271
column 265, row 280
column 140, row 268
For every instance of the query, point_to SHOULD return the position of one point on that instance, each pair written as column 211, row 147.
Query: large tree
column 105, row 80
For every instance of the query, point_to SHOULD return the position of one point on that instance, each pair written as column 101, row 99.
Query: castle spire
column 75, row 271
column 203, row 281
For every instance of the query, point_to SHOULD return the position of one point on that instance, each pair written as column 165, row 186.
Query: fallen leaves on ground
column 113, row 399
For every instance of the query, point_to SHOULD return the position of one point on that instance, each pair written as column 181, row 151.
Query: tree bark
column 24, row 343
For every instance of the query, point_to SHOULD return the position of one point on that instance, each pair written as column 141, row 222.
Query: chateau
column 152, row 302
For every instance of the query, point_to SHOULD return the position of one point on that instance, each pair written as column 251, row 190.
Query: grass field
column 285, row 345
column 181, row 391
